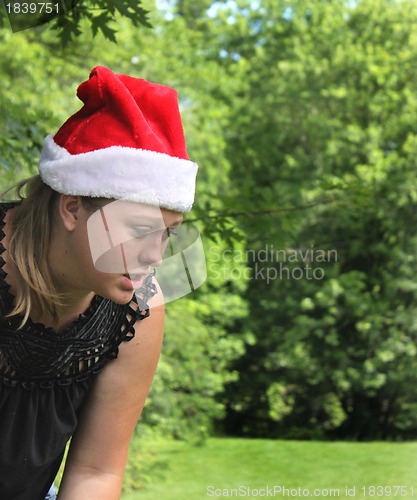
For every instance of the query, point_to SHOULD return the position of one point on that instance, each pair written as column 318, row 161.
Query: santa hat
column 126, row 142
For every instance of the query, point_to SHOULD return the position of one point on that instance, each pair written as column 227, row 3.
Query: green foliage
column 280, row 401
column 95, row 16
column 143, row 465
column 100, row 14
column 332, row 92
column 194, row 366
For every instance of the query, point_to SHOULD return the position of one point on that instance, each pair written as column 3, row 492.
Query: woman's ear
column 70, row 211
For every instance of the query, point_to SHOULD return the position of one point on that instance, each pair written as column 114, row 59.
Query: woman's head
column 103, row 243
column 107, row 246
column 121, row 156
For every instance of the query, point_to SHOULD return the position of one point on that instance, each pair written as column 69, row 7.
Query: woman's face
column 120, row 244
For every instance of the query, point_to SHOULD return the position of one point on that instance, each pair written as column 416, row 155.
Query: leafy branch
column 262, row 212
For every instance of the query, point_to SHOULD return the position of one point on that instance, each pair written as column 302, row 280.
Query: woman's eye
column 141, row 231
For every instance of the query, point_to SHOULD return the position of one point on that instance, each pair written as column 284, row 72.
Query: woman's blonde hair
column 28, row 247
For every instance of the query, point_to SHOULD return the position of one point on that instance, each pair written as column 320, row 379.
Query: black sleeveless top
column 44, row 378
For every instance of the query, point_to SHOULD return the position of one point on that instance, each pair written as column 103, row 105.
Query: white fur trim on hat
column 121, row 173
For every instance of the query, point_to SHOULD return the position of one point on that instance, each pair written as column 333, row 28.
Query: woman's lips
column 134, row 281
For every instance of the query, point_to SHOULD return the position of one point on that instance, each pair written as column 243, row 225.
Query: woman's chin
column 120, row 296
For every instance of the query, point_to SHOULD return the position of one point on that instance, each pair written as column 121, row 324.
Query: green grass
column 186, row 472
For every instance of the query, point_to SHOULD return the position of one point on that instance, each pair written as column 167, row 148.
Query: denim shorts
column 51, row 495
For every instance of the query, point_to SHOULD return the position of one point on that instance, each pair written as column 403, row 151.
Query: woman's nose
column 151, row 250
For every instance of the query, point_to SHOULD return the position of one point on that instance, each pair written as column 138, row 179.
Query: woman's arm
column 97, row 458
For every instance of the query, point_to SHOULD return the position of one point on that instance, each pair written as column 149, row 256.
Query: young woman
column 79, row 335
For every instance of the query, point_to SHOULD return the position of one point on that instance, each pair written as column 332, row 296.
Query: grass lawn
column 210, row 471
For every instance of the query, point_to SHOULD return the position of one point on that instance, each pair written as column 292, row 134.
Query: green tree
column 331, row 87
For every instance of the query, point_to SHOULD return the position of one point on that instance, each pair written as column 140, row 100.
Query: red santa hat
column 126, row 142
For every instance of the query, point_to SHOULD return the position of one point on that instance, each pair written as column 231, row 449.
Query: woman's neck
column 75, row 298
column 70, row 311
